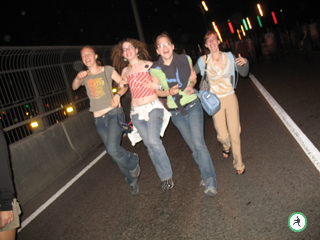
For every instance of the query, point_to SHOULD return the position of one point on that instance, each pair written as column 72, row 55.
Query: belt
column 145, row 106
column 184, row 106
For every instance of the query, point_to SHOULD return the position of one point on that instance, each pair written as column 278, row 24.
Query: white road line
column 311, row 151
column 62, row 190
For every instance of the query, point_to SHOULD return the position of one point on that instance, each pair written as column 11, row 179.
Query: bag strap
column 205, row 68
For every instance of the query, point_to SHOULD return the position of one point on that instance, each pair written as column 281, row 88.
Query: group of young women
column 171, row 76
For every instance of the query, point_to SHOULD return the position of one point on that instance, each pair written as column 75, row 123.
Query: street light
column 205, row 6
column 260, row 10
column 274, row 18
column 217, row 31
column 249, row 23
column 231, row 27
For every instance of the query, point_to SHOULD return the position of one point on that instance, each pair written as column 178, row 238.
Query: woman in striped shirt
column 148, row 115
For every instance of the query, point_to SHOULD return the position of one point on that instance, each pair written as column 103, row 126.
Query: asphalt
column 279, row 180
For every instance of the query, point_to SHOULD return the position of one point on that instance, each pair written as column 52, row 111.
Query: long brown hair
column 117, row 58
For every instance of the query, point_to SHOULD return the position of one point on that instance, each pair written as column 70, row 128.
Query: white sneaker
column 210, row 192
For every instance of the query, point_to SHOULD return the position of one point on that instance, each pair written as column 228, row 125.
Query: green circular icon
column 297, row 222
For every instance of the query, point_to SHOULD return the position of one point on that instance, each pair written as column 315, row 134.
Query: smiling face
column 129, row 51
column 165, row 48
column 212, row 43
column 88, row 57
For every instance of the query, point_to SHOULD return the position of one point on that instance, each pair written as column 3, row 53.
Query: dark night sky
column 70, row 22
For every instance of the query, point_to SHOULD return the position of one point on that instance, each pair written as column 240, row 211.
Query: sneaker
column 134, row 190
column 167, row 184
column 136, row 172
column 202, row 183
column 210, row 192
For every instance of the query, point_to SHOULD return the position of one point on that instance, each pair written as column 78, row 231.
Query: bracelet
column 170, row 92
column 119, row 95
column 160, row 87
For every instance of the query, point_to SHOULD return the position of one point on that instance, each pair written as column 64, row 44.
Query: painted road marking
column 307, row 146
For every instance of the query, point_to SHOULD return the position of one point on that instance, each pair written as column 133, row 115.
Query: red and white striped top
column 136, row 84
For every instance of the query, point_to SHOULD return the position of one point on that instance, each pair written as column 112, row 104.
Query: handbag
column 209, row 101
column 204, row 83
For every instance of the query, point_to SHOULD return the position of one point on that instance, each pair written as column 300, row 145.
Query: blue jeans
column 111, row 134
column 191, row 129
column 150, row 133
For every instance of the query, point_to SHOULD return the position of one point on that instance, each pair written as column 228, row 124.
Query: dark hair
column 163, row 34
column 117, row 58
column 94, row 51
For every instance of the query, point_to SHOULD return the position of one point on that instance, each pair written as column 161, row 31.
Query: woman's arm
column 79, row 80
column 116, row 98
column 163, row 93
column 193, row 80
column 242, row 65
column 6, row 185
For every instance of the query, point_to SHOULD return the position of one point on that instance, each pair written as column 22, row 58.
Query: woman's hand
column 240, row 60
column 174, row 90
column 123, row 83
column 115, row 101
column 82, row 75
column 189, row 90
column 6, row 218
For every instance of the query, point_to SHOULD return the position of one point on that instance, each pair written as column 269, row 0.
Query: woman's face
column 212, row 43
column 165, row 47
column 88, row 57
column 129, row 51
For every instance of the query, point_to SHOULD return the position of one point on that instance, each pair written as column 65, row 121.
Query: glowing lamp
column 274, row 18
column 34, row 124
column 231, row 27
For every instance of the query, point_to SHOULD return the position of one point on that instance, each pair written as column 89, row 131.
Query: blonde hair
column 210, row 32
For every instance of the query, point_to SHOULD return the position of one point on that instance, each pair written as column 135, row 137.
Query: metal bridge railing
column 35, row 85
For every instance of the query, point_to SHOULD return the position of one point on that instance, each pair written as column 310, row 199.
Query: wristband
column 119, row 95
column 160, row 87
column 170, row 92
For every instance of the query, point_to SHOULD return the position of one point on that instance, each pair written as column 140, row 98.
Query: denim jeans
column 191, row 129
column 111, row 134
column 150, row 134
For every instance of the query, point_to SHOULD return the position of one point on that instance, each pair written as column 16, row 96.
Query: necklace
column 130, row 66
column 217, row 59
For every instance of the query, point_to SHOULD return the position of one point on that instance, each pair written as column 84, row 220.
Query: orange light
column 249, row 23
column 260, row 10
column 34, row 124
column 239, row 35
column 205, row 6
column 243, row 32
column 217, row 31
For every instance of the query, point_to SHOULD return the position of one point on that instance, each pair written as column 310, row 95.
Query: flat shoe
column 241, row 173
column 226, row 152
